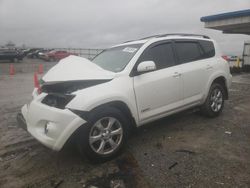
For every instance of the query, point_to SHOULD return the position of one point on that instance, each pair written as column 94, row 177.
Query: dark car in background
column 33, row 52
column 12, row 55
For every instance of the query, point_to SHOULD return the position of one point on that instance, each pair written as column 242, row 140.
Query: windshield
column 115, row 59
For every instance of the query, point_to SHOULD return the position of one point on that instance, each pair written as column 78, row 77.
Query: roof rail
column 179, row 34
column 171, row 34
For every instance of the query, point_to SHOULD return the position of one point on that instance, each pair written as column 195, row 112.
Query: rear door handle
column 176, row 75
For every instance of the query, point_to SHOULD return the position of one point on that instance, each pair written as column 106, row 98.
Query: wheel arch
column 222, row 80
column 120, row 105
column 218, row 77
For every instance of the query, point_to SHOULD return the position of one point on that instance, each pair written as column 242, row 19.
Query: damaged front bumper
column 49, row 125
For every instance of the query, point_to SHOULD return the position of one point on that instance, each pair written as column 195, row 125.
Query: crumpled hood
column 76, row 68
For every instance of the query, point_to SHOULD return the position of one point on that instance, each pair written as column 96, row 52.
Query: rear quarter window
column 208, row 48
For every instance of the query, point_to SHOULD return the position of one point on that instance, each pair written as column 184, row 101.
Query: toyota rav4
column 127, row 85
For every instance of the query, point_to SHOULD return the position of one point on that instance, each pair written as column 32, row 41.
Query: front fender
column 90, row 98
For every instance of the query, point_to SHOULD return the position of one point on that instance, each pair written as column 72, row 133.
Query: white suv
column 127, row 85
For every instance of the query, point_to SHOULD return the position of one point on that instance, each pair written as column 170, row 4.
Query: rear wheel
column 104, row 135
column 214, row 103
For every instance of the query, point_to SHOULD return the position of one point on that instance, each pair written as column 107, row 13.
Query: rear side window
column 208, row 48
column 161, row 54
column 188, row 51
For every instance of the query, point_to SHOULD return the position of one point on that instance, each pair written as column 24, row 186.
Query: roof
column 227, row 15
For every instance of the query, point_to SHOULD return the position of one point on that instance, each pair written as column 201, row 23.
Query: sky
column 101, row 24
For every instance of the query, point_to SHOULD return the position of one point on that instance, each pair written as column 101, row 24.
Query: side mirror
column 146, row 66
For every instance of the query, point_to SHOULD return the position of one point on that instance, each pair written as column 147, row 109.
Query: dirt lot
column 184, row 150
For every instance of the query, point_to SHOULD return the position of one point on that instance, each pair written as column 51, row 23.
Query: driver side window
column 161, row 54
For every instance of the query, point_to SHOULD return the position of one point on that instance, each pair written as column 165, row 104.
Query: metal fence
column 87, row 53
column 29, row 65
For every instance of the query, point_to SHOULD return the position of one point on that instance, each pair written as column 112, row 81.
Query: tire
column 104, row 138
column 214, row 103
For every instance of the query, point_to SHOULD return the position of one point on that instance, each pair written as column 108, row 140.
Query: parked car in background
column 55, row 55
column 42, row 54
column 12, row 55
column 26, row 51
column 33, row 52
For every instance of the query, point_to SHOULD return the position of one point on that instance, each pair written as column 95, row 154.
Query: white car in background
column 127, row 85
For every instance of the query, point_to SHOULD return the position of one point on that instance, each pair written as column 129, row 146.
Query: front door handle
column 176, row 75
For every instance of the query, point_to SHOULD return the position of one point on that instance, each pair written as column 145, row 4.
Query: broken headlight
column 67, row 87
column 60, row 93
column 57, row 100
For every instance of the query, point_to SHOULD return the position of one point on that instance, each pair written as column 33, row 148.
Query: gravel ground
column 184, row 150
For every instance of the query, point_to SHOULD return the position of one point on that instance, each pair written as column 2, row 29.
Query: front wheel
column 104, row 135
column 214, row 103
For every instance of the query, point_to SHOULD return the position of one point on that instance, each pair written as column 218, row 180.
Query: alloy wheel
column 106, row 135
column 216, row 100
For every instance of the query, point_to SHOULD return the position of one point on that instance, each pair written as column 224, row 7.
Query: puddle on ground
column 128, row 175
